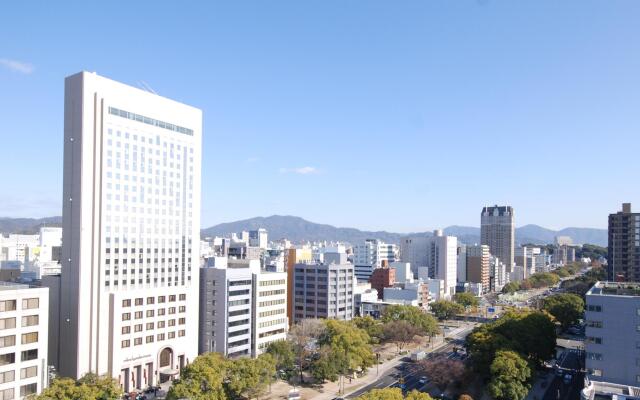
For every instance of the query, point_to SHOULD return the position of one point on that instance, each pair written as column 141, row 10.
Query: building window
column 594, row 356
column 181, row 321
column 26, row 390
column 7, row 305
column 28, row 355
column 139, row 301
column 137, row 328
column 7, row 323
column 126, row 343
column 137, row 341
column 30, row 320
column 181, row 333
column 28, row 304
column 138, row 315
column 6, row 359
column 172, row 335
column 172, row 297
column 594, row 324
column 8, row 376
column 6, row 394
column 595, row 308
column 126, row 316
column 161, row 299
column 183, row 297
column 172, row 322
column 126, row 330
column 150, row 339
column 6, row 341
column 150, row 313
column 160, row 324
column 31, row 337
column 160, row 337
column 149, row 326
column 28, row 372
column 151, row 300
column 126, row 303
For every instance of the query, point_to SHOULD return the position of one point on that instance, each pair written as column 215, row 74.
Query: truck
column 418, row 355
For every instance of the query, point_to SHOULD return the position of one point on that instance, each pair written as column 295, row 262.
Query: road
column 569, row 364
column 405, row 368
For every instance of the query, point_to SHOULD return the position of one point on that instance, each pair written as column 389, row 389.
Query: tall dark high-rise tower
column 624, row 245
column 497, row 230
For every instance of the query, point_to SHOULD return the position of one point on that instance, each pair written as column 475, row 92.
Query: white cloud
column 17, row 66
column 300, row 170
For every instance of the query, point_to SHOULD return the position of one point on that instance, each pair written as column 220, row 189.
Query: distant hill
column 27, row 225
column 297, row 229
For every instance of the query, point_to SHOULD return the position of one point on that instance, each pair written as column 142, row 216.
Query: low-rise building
column 612, row 345
column 24, row 322
column 323, row 291
column 225, row 309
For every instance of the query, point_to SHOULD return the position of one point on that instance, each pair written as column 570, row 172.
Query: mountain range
column 297, row 229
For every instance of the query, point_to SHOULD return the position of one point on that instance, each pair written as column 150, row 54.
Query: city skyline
column 335, row 108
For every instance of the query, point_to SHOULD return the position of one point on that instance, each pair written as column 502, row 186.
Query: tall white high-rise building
column 131, row 233
column 443, row 260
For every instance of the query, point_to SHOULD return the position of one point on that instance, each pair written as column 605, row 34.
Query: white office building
column 414, row 250
column 443, row 260
column 131, row 233
column 370, row 255
column 270, row 322
column 24, row 323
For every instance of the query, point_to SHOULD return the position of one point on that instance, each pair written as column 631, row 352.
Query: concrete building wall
column 269, row 322
column 323, row 291
column 24, row 323
column 612, row 333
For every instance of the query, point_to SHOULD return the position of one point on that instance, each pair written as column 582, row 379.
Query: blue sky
column 395, row 115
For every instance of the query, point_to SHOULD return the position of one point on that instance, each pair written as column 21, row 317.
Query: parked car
column 423, row 380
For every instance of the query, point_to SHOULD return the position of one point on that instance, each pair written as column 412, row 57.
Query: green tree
column 248, row 378
column 201, row 380
column 372, row 326
column 482, row 344
column 382, row 394
column 350, row 340
column 400, row 332
column 511, row 287
column 89, row 387
column 567, row 308
column 466, row 299
column 509, row 376
column 328, row 365
column 416, row 395
column 415, row 316
column 445, row 309
column 284, row 354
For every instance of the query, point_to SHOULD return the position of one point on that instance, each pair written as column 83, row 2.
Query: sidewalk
column 540, row 386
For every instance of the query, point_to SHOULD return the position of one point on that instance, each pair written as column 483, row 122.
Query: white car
column 423, row 380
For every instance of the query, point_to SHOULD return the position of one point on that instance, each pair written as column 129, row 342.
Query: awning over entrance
column 169, row 371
